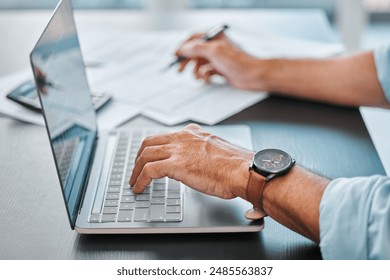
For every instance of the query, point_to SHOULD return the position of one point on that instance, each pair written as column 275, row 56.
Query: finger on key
column 149, row 154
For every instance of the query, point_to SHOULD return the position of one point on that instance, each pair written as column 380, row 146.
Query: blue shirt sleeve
column 382, row 62
column 355, row 219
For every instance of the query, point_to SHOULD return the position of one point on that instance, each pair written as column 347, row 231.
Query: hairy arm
column 350, row 80
column 294, row 201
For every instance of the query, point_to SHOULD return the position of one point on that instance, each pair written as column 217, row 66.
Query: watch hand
column 266, row 160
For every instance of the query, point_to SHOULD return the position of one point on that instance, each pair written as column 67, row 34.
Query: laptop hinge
column 91, row 160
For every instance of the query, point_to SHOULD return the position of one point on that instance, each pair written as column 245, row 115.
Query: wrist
column 266, row 71
column 262, row 69
column 241, row 178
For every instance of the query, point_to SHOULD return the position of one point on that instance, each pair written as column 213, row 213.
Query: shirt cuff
column 344, row 218
column 382, row 62
column 354, row 219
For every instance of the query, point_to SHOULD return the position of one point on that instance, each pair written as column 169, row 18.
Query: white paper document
column 130, row 65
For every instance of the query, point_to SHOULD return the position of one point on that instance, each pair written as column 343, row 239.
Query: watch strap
column 255, row 189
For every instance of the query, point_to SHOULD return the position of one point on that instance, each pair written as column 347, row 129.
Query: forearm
column 350, row 80
column 294, row 201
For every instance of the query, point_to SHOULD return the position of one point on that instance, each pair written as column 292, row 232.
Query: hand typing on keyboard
column 185, row 156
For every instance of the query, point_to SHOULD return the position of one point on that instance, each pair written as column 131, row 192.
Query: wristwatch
column 266, row 165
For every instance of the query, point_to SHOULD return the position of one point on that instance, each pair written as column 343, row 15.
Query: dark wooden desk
column 33, row 224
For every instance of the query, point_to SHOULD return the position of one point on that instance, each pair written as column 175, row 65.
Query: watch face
column 272, row 161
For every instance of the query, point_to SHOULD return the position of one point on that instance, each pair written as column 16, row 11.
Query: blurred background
column 360, row 24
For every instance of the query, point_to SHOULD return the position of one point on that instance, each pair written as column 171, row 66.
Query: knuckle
column 210, row 137
column 142, row 158
column 148, row 168
column 147, row 140
column 192, row 126
column 147, row 150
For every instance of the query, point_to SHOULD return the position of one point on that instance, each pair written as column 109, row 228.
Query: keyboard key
column 126, row 206
column 127, row 192
column 127, row 199
column 173, row 209
column 94, row 218
column 174, row 194
column 147, row 190
column 117, row 170
column 173, row 217
column 142, row 204
column 157, row 212
column 111, row 203
column 173, row 202
column 118, row 164
column 157, row 200
column 160, row 181
column 110, row 210
column 122, row 145
column 114, row 190
column 125, row 216
column 115, row 182
column 121, row 151
column 126, row 186
column 116, row 176
column 143, row 197
column 173, row 185
column 108, row 218
column 119, row 158
column 158, row 194
column 141, row 214
column 159, row 187
column 112, row 196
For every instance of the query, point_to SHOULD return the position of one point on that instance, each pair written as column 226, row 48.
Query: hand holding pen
column 222, row 58
column 208, row 36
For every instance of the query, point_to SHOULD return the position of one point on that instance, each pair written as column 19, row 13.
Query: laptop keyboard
column 161, row 201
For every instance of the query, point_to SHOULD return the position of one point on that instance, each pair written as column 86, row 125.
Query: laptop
column 94, row 166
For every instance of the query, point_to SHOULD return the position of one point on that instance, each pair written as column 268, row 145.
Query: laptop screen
column 65, row 98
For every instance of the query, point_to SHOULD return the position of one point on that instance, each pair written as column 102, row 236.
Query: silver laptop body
column 94, row 166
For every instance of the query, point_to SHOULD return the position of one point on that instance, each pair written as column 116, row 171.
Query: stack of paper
column 132, row 69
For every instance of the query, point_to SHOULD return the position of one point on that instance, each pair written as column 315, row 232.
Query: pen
column 208, row 36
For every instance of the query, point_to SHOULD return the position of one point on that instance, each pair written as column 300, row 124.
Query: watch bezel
column 268, row 173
